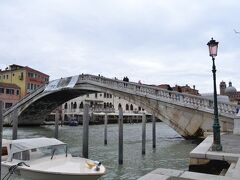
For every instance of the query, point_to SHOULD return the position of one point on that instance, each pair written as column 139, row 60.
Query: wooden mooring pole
column 56, row 124
column 85, row 131
column 1, row 129
column 14, row 124
column 143, row 133
column 153, row 131
column 120, row 138
column 105, row 128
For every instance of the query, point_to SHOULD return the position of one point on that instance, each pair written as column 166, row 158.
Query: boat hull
column 21, row 173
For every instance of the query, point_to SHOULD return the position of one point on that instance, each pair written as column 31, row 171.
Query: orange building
column 26, row 78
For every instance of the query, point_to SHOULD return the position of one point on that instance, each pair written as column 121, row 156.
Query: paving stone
column 169, row 172
column 154, row 177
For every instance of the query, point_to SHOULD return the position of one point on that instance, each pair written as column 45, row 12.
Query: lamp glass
column 213, row 48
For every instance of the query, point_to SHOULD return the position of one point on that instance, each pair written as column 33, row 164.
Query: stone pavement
column 231, row 143
column 203, row 154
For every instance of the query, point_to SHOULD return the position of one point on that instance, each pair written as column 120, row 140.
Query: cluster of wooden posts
column 120, row 138
column 86, row 130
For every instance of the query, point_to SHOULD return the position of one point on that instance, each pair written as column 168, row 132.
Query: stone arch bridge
column 189, row 115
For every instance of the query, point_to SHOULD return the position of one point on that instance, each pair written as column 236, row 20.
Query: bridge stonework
column 189, row 115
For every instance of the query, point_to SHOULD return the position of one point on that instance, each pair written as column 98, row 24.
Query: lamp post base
column 216, row 147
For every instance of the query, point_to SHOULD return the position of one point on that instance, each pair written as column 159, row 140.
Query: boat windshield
column 42, row 152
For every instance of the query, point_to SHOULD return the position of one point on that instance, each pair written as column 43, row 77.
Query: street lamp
column 213, row 47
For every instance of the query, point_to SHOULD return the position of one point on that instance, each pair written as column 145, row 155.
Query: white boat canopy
column 20, row 145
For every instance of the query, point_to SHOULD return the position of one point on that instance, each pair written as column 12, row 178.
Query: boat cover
column 20, row 145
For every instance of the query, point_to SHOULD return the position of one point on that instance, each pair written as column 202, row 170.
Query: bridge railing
column 161, row 94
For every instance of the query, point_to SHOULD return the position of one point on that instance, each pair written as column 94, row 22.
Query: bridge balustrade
column 151, row 91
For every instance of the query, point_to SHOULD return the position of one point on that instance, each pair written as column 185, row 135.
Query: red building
column 9, row 94
column 183, row 89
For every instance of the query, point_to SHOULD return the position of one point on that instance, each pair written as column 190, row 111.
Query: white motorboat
column 46, row 158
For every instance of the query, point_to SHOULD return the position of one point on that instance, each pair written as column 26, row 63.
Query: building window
column 1, row 90
column 13, row 74
column 17, row 92
column 105, row 95
column 110, row 95
column 139, row 108
column 0, row 77
column 95, row 95
column 127, row 107
column 104, row 105
column 31, row 86
column 81, row 105
column 131, row 107
column 75, row 105
column 9, row 91
column 119, row 105
column 7, row 76
column 8, row 105
column 21, row 77
column 65, row 106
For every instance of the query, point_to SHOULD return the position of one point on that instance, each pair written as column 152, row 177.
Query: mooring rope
column 12, row 169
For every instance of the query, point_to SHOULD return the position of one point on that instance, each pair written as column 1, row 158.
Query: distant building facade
column 26, row 78
column 9, row 94
column 100, row 102
column 230, row 91
column 183, row 89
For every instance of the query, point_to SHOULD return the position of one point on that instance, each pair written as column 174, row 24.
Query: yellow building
column 25, row 77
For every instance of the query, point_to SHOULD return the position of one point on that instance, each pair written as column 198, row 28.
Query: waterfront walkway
column 203, row 154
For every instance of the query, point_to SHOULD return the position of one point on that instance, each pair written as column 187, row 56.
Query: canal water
column 171, row 151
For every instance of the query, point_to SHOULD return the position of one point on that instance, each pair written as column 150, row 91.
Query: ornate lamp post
column 213, row 47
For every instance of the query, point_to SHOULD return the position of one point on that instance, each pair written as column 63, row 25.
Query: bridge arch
column 188, row 115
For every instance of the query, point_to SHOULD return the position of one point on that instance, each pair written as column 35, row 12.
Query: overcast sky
column 155, row 41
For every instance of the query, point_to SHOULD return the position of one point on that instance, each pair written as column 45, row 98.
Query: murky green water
column 171, row 151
